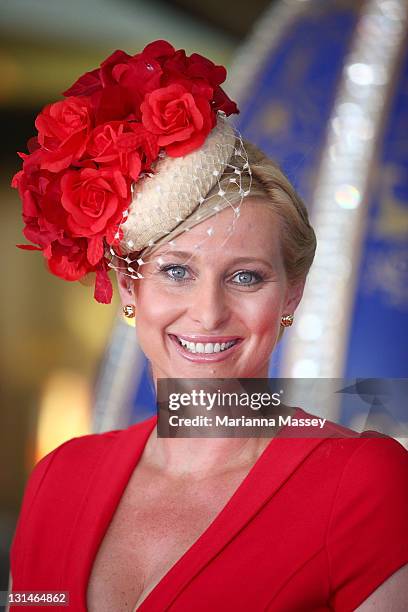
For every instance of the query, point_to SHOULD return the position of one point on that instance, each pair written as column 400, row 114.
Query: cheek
column 263, row 316
column 155, row 305
column 154, row 313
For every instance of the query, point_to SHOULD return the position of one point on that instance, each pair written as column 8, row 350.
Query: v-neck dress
column 319, row 522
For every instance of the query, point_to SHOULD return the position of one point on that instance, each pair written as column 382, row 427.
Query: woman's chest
column 151, row 529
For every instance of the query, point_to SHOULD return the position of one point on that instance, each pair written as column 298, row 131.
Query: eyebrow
column 236, row 260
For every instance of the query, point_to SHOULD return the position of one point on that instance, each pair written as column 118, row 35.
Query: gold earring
column 287, row 320
column 129, row 311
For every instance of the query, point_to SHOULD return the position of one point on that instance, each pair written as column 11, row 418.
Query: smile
column 208, row 347
column 205, row 351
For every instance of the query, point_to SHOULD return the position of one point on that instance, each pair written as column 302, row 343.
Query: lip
column 200, row 338
column 205, row 357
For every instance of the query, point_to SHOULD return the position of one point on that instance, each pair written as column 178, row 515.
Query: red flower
column 200, row 67
column 94, row 201
column 223, row 103
column 144, row 142
column 43, row 214
column 125, row 80
column 180, row 120
column 112, row 68
column 139, row 76
column 63, row 129
column 200, row 76
column 118, row 87
column 86, row 85
column 67, row 258
column 139, row 73
column 126, row 146
column 117, row 58
column 110, row 145
column 176, row 72
column 159, row 50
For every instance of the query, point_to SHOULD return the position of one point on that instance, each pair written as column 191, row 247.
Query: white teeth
column 208, row 347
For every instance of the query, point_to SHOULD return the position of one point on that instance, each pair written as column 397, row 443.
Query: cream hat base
column 162, row 200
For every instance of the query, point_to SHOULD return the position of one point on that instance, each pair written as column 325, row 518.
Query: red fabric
column 318, row 524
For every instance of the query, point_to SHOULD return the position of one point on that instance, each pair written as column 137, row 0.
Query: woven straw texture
column 179, row 185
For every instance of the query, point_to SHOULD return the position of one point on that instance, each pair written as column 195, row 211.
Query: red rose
column 42, row 213
column 125, row 81
column 94, row 201
column 194, row 68
column 180, row 120
column 201, row 67
column 223, row 103
column 93, row 81
column 63, row 129
column 118, row 87
column 176, row 71
column 67, row 258
column 200, row 76
column 116, row 58
column 144, row 142
column 86, row 85
column 159, row 50
column 124, row 146
column 139, row 75
column 110, row 145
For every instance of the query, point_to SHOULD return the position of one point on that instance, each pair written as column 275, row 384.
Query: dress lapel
column 98, row 506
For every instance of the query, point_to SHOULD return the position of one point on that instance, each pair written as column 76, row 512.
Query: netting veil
column 181, row 192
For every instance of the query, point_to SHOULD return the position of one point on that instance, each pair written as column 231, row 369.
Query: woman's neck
column 204, row 455
column 201, row 456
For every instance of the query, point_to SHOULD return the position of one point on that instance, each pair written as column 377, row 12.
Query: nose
column 209, row 307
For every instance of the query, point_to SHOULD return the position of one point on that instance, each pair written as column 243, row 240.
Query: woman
column 128, row 519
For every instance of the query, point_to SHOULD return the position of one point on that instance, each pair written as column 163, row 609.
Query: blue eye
column 175, row 272
column 245, row 277
column 179, row 273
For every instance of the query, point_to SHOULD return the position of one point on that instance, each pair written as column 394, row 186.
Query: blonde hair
column 270, row 185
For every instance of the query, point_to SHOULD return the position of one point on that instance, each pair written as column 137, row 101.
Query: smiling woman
column 226, row 306
column 140, row 171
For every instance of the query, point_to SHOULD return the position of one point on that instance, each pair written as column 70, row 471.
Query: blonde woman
column 128, row 520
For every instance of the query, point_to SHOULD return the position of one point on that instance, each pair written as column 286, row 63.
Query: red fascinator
column 93, row 147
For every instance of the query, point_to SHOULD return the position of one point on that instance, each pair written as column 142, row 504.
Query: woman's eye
column 180, row 273
column 246, row 277
column 175, row 272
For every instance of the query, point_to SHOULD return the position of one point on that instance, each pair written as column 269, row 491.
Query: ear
column 294, row 294
column 125, row 288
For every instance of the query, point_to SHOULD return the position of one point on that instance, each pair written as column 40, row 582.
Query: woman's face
column 218, row 315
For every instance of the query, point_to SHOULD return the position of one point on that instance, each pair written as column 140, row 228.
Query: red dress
column 318, row 524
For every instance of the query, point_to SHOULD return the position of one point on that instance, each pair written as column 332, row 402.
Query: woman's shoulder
column 80, row 450
column 76, row 459
column 326, row 428
column 97, row 442
column 368, row 457
column 63, row 476
column 368, row 517
column 359, row 481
